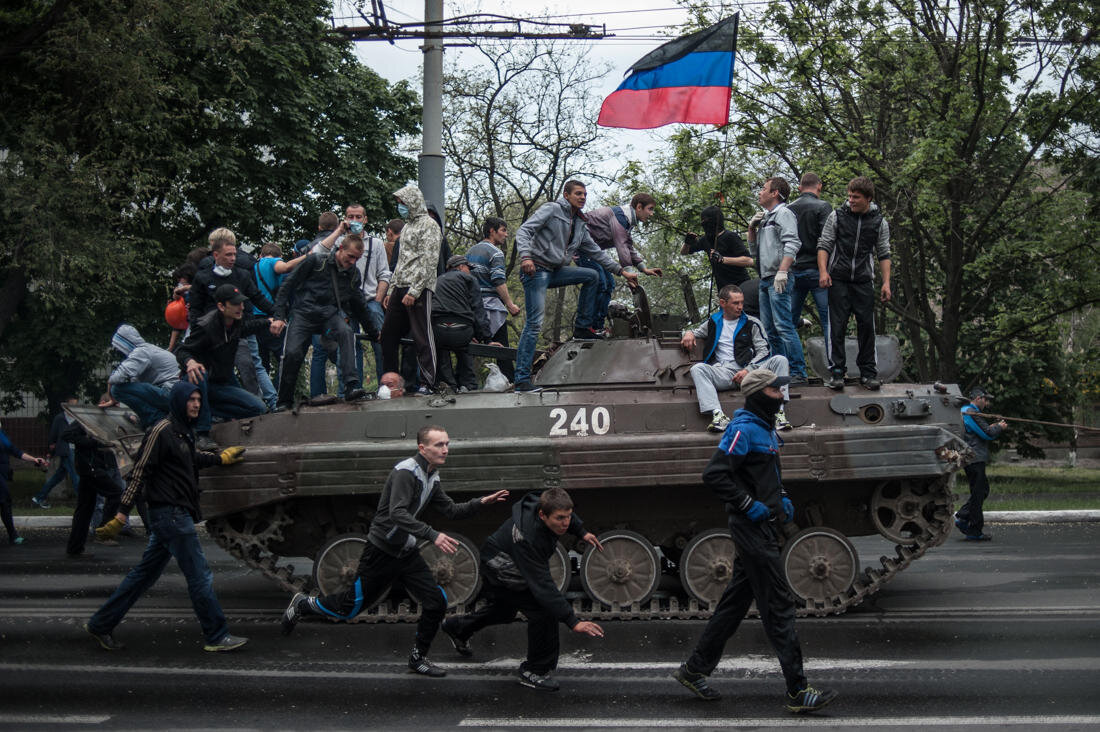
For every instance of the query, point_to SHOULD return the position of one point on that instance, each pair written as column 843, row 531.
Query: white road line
column 21, row 719
column 787, row 722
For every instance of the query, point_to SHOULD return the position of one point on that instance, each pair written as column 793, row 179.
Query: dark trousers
column 415, row 320
column 336, row 337
column 979, row 491
column 846, row 298
column 502, row 606
column 110, row 486
column 5, row 505
column 377, row 571
column 454, row 338
column 507, row 366
column 757, row 574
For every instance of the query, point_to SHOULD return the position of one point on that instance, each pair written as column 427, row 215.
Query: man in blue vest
column 979, row 434
column 734, row 345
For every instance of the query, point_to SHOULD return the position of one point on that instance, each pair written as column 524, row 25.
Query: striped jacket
column 166, row 470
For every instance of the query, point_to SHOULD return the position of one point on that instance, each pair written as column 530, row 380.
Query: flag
column 686, row 80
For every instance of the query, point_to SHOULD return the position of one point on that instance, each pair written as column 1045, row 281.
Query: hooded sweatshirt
column 166, row 470
column 418, row 261
column 144, row 362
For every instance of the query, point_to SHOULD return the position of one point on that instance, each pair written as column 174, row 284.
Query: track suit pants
column 415, row 320
column 757, row 574
column 846, row 298
column 377, row 571
column 502, row 606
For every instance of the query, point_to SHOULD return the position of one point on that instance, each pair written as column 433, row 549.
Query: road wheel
column 337, row 564
column 820, row 565
column 707, row 565
column 459, row 574
column 625, row 572
column 561, row 569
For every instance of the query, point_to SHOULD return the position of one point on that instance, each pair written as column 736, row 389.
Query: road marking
column 786, row 722
column 21, row 719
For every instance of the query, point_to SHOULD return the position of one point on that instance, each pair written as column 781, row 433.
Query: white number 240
column 579, row 425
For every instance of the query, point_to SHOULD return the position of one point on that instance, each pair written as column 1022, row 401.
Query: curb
column 59, row 522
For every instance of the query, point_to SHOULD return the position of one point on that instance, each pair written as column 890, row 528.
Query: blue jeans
column 226, row 400
column 267, row 389
column 317, row 365
column 66, row 466
column 604, row 288
column 534, row 293
column 172, row 534
column 775, row 313
column 805, row 282
column 149, row 402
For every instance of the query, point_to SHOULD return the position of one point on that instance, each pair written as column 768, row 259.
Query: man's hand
column 715, row 256
column 445, row 543
column 653, row 271
column 1002, row 424
column 757, row 217
column 527, row 266
column 195, row 371
column 495, row 343
column 110, row 529
column 688, row 341
column 277, row 326
column 788, row 509
column 513, row 309
column 408, row 301
column 587, row 627
column 631, row 279
column 386, row 302
column 780, row 282
column 823, row 279
column 231, row 455
column 590, row 538
column 740, row 375
column 494, row 498
column 757, row 512
column 108, row 402
column 886, row 294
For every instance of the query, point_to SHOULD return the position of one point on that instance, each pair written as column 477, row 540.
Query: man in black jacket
column 328, row 294
column 207, row 356
column 728, row 256
column 514, row 562
column 811, row 213
column 391, row 553
column 458, row 317
column 99, row 476
column 166, row 472
column 60, row 448
column 744, row 472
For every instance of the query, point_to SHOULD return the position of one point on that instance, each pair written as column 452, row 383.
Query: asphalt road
column 1004, row 634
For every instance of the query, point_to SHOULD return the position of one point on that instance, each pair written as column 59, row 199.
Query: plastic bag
column 495, row 381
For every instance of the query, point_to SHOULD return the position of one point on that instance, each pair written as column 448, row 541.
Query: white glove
column 780, row 282
column 756, row 219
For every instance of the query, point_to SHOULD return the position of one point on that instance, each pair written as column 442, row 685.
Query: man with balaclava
column 745, row 474
column 728, row 256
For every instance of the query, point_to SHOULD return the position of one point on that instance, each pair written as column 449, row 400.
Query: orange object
column 176, row 314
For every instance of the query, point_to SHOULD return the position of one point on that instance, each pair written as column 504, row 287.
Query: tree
column 133, row 127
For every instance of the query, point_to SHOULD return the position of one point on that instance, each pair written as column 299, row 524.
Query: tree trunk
column 559, row 306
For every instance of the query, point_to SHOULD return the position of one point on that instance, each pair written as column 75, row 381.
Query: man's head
column 774, row 192
column 644, row 206
column 393, row 229
column 809, row 183
column 556, row 510
column 495, row 231
column 575, row 193
column 185, row 272
column 732, row 302
column 185, row 401
column 327, row 221
column 980, row 398
column 223, row 245
column 458, row 262
column 393, row 381
column 271, row 249
column 230, row 301
column 861, row 191
column 351, row 248
column 432, row 443
column 763, row 380
column 356, row 216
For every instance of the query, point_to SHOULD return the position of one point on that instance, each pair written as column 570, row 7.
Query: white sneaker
column 781, row 423
column 719, row 423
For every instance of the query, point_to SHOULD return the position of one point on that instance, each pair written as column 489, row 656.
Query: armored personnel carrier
column 618, row 426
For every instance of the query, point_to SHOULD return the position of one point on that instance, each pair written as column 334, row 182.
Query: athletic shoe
column 462, row 647
column 40, row 502
column 525, row 387
column 419, row 664
column 835, row 382
column 354, row 395
column 697, row 683
column 532, row 680
column 293, row 612
column 719, row 423
column 962, row 525
column 283, row 407
column 227, row 643
column 106, row 640
column 870, row 383
column 978, row 537
column 18, row 541
column 809, row 700
column 586, row 334
column 798, row 381
column 782, row 423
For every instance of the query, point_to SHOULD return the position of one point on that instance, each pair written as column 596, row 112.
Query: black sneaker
column 809, row 700
column 106, row 640
column 293, row 612
column 962, row 525
column 532, row 680
column 40, row 502
column 227, row 642
column 282, row 407
column 587, row 334
column 835, row 382
column 206, row 443
column 462, row 647
column 870, row 383
column 419, row 664
column 525, row 387
column 354, row 395
column 697, row 683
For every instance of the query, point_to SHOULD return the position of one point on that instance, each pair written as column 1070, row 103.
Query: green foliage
column 133, row 127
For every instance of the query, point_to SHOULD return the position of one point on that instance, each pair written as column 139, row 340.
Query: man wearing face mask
column 729, row 257
column 745, row 473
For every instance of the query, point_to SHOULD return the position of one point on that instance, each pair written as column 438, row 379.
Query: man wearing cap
column 458, row 316
column 745, row 473
column 979, row 434
column 734, row 345
column 207, row 356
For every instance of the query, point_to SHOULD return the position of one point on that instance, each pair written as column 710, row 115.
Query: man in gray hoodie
column 546, row 243
column 144, row 378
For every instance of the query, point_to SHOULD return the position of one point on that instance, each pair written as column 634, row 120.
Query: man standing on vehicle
column 811, row 213
column 391, row 553
column 979, row 433
column 744, row 471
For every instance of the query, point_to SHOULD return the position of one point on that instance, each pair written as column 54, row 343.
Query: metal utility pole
column 432, row 165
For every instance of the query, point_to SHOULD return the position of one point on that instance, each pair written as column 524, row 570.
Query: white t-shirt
column 723, row 351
